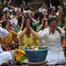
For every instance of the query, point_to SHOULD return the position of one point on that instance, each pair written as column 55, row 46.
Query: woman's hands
column 28, row 26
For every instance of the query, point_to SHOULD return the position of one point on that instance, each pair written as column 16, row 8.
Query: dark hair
column 19, row 20
column 7, row 11
column 39, row 14
column 5, row 64
column 25, row 22
column 62, row 20
column 51, row 19
column 44, row 2
column 1, row 14
column 45, row 21
column 4, row 23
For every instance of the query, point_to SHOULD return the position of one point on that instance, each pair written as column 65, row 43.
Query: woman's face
column 53, row 25
column 46, row 24
column 7, row 26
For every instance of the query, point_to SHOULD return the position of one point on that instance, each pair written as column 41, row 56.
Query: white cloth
column 3, row 32
column 4, row 56
column 17, row 9
column 42, row 41
column 14, row 23
column 5, row 9
column 42, row 10
column 53, row 41
column 26, row 11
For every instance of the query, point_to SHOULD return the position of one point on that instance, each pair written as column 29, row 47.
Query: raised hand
column 59, row 30
column 28, row 24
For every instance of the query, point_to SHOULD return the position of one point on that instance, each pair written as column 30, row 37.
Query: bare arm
column 22, row 33
column 36, row 23
column 40, row 28
column 21, row 27
column 13, row 32
column 1, row 21
column 35, row 34
column 22, row 23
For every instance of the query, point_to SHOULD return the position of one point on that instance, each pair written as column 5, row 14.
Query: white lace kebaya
column 4, row 56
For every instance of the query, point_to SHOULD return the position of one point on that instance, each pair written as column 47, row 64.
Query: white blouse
column 3, row 33
column 53, row 41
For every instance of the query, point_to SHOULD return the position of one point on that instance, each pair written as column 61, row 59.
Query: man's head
column 52, row 22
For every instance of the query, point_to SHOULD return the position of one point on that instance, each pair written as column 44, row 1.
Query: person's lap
column 5, row 57
column 55, row 58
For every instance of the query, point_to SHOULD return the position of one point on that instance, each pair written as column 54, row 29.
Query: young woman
column 39, row 17
column 44, row 25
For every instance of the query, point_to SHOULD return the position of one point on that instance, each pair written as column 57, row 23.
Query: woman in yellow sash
column 26, row 37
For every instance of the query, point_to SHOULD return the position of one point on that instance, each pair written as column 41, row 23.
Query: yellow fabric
column 19, row 56
column 37, row 43
column 30, row 41
column 8, row 39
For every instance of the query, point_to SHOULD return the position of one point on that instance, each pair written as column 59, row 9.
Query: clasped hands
column 28, row 27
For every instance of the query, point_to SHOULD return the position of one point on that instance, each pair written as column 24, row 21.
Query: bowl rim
column 35, row 50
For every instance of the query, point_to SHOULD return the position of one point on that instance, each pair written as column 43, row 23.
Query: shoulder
column 19, row 32
column 40, row 31
column 46, row 29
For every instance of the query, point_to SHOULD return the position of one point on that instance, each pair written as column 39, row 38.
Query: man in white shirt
column 52, row 36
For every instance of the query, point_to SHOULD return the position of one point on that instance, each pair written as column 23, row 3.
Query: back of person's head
column 38, row 14
column 49, row 11
column 19, row 20
column 1, row 14
column 4, row 23
column 51, row 19
column 5, row 64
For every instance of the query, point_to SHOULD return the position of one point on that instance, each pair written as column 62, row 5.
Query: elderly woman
column 52, row 35
column 4, row 56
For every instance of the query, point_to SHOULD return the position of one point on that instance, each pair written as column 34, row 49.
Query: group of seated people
column 39, row 29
